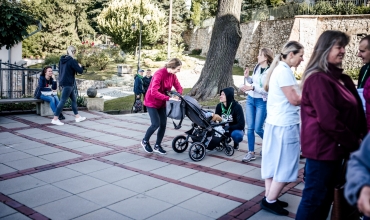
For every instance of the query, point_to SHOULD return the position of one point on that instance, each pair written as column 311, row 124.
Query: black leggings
column 158, row 119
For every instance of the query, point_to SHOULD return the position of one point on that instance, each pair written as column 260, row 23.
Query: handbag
column 175, row 110
column 341, row 210
column 137, row 106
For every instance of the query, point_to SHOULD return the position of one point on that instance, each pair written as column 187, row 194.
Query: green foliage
column 52, row 59
column 196, row 52
column 93, row 11
column 14, row 21
column 17, row 106
column 101, row 59
column 117, row 18
column 81, row 102
column 196, row 9
column 323, row 8
column 353, row 73
column 345, row 8
column 64, row 23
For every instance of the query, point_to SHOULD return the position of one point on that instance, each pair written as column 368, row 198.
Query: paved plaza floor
column 97, row 169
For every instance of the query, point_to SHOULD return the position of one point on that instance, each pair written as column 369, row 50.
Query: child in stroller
column 207, row 132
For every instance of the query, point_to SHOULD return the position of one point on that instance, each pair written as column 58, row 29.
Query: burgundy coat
column 367, row 99
column 333, row 119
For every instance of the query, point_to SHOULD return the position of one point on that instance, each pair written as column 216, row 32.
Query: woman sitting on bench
column 47, row 91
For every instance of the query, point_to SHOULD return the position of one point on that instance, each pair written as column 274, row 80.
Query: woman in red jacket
column 155, row 101
column 333, row 123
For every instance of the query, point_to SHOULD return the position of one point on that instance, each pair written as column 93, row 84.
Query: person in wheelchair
column 231, row 112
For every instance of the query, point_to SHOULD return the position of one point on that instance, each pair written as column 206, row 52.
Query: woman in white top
column 281, row 142
column 256, row 100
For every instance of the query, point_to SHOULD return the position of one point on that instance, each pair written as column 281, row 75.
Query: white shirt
column 257, row 80
column 279, row 111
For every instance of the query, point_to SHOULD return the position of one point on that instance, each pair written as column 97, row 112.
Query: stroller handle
column 175, row 93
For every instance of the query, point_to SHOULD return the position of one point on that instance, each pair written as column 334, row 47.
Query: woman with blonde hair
column 333, row 123
column 256, row 100
column 280, row 146
column 155, row 101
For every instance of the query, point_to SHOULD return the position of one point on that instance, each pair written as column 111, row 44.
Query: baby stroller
column 204, row 134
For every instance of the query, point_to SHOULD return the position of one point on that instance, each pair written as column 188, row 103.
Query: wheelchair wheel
column 179, row 144
column 229, row 150
column 197, row 151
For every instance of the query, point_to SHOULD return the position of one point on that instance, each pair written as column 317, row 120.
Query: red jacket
column 161, row 83
column 367, row 99
column 333, row 118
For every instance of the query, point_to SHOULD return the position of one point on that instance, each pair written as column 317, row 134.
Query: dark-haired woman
column 333, row 123
column 47, row 84
column 155, row 100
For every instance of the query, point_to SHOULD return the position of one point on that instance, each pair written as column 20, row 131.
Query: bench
column 42, row 108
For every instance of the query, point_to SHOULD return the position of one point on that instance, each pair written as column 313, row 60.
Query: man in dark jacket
column 231, row 111
column 67, row 70
column 138, row 84
column 146, row 82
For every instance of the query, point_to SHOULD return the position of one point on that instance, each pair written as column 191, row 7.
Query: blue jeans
column 52, row 99
column 255, row 114
column 237, row 136
column 318, row 193
column 158, row 118
column 67, row 92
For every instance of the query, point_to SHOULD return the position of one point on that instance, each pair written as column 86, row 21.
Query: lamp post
column 133, row 27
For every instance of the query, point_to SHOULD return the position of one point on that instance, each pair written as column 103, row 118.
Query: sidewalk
column 97, row 169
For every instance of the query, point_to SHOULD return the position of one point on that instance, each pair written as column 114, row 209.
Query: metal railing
column 17, row 81
column 290, row 10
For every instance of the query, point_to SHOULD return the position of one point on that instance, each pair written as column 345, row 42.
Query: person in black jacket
column 68, row 67
column 47, row 84
column 138, row 84
column 364, row 54
column 232, row 112
column 146, row 82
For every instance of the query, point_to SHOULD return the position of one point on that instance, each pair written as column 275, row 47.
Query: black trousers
column 158, row 119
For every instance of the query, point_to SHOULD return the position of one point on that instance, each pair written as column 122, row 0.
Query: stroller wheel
column 179, row 144
column 229, row 150
column 197, row 151
column 219, row 148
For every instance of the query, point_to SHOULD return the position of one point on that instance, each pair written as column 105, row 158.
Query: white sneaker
column 79, row 119
column 56, row 122
column 249, row 157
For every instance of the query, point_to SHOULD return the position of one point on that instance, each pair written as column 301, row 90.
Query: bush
column 196, row 52
column 100, row 59
column 353, row 73
column 323, row 8
column 52, row 59
column 344, row 8
column 81, row 102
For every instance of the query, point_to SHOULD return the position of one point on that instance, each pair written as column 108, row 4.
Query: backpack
column 138, row 106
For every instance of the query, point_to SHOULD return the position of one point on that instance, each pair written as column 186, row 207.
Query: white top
column 279, row 111
column 257, row 80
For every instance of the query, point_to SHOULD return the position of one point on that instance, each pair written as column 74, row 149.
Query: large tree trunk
column 226, row 36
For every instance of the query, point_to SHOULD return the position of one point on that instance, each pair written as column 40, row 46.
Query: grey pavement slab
column 179, row 213
column 174, row 172
column 113, row 174
column 239, row 189
column 147, row 164
column 26, row 145
column 93, row 149
column 59, row 139
column 88, row 166
column 172, row 193
column 14, row 125
column 207, row 161
column 124, row 142
column 79, row 184
column 13, row 140
column 134, row 207
column 300, row 186
column 209, row 205
column 292, row 200
column 42, row 150
column 91, row 134
column 268, row 216
column 6, row 210
column 6, row 169
column 140, row 183
column 255, row 173
column 109, row 138
column 56, row 175
column 74, row 144
column 27, row 163
column 67, row 208
column 107, row 195
column 19, row 184
column 59, row 156
column 4, row 120
column 30, row 131
column 16, row 216
column 103, row 214
column 233, row 167
column 123, row 157
column 205, row 180
column 40, row 195
column 4, row 149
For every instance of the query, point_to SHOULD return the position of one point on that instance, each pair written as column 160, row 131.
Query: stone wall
column 274, row 34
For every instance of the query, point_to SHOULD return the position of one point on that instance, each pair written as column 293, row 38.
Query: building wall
column 274, row 34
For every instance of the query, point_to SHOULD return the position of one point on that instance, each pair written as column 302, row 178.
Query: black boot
column 61, row 117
